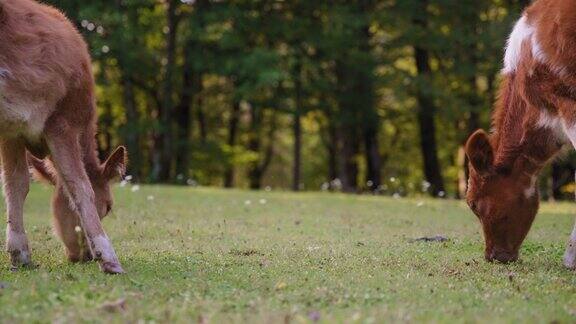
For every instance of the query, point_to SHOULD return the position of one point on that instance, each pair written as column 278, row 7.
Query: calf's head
column 505, row 200
column 100, row 177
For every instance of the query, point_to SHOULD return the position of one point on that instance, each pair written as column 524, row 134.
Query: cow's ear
column 115, row 165
column 480, row 152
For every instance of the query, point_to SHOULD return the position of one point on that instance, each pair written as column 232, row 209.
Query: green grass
column 208, row 255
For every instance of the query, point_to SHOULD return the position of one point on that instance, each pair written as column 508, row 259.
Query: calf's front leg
column 66, row 155
column 16, row 180
column 67, row 227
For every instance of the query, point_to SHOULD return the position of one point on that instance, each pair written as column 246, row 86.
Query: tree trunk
column 373, row 159
column 349, row 165
column 297, row 128
column 200, row 116
column 332, row 152
column 426, row 112
column 232, row 134
column 254, row 173
column 163, row 167
column 132, row 130
column 184, row 121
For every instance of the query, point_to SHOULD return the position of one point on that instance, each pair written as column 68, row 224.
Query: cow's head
column 504, row 199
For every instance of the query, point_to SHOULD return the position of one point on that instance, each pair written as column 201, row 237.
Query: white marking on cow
column 553, row 123
column 537, row 51
column 530, row 191
column 521, row 32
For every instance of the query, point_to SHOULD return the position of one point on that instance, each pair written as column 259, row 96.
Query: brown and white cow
column 47, row 107
column 534, row 117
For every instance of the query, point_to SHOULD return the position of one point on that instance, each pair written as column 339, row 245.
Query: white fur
column 537, row 51
column 16, row 241
column 20, row 116
column 554, row 123
column 102, row 244
column 530, row 191
column 521, row 32
column 570, row 131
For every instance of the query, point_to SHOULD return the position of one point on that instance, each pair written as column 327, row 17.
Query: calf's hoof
column 20, row 259
column 570, row 261
column 111, row 267
column 570, row 256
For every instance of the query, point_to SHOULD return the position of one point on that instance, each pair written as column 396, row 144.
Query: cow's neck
column 525, row 137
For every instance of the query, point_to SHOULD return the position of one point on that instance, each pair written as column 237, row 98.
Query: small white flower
column 78, row 229
column 248, row 203
column 263, row 201
column 420, row 204
column 135, row 188
column 128, row 178
column 268, row 188
column 123, row 183
column 150, row 197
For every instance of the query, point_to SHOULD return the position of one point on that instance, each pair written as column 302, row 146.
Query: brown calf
column 533, row 118
column 47, row 107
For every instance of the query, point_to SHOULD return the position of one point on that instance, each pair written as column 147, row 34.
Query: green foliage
column 344, row 67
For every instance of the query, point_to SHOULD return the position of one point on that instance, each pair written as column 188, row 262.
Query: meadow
column 211, row 256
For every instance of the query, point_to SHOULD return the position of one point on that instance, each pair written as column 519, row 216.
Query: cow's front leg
column 570, row 254
column 16, row 180
column 569, row 125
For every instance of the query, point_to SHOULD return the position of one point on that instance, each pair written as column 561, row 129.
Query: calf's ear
column 480, row 152
column 115, row 165
column 42, row 170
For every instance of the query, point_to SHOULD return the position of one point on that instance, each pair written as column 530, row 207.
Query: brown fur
column 47, row 106
column 505, row 164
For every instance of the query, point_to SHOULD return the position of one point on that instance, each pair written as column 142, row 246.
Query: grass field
column 207, row 255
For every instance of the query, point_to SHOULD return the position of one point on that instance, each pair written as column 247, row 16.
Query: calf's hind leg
column 16, row 180
column 65, row 153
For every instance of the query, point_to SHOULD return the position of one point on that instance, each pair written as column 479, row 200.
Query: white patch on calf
column 521, row 32
column 16, row 241
column 102, row 249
